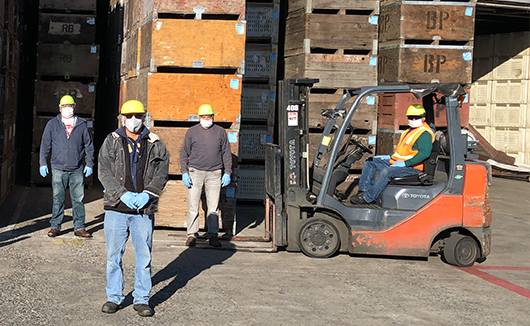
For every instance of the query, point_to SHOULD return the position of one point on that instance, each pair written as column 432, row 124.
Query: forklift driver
column 414, row 146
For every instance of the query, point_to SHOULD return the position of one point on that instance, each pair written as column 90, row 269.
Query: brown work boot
column 191, row 242
column 82, row 233
column 214, row 242
column 53, row 232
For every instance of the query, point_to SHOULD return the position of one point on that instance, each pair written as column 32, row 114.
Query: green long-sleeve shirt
column 424, row 146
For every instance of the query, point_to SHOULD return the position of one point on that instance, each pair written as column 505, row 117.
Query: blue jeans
column 60, row 180
column 372, row 186
column 118, row 226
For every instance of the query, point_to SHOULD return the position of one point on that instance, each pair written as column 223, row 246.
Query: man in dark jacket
column 133, row 169
column 67, row 138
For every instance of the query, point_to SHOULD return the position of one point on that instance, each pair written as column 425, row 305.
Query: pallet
column 173, row 207
column 71, row 28
column 311, row 33
column 364, row 118
column 412, row 20
column 173, row 138
column 413, row 63
column 190, row 43
column 333, row 70
column 48, row 94
column 68, row 60
column 176, row 97
column 68, row 5
column 309, row 6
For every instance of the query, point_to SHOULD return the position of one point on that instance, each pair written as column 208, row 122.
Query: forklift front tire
column 318, row 238
column 461, row 250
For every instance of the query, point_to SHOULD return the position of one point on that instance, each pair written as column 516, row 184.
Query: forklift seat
column 426, row 177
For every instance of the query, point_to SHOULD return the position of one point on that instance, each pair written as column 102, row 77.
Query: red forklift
column 443, row 210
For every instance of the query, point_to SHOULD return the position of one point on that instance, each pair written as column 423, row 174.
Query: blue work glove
column 43, row 170
column 382, row 157
column 140, row 200
column 186, row 180
column 128, row 199
column 87, row 171
column 225, row 181
column 398, row 164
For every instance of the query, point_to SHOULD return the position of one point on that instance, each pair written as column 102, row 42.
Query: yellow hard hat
column 415, row 110
column 205, row 109
column 67, row 100
column 132, row 106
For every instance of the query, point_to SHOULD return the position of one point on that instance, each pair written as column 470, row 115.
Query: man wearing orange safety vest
column 414, row 147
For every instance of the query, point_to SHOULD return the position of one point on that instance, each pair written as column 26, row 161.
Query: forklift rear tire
column 318, row 238
column 461, row 250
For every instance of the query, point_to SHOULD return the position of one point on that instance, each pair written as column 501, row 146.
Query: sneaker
column 110, row 307
column 358, row 199
column 143, row 310
column 214, row 242
column 190, row 242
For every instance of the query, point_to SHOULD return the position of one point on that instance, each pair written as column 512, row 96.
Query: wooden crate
column 173, row 207
column 7, row 137
column 39, row 123
column 424, row 64
column 480, row 92
column 517, row 67
column 72, row 28
column 310, row 33
column 64, row 5
column 177, row 97
column 257, row 102
column 411, row 20
column 251, row 182
column 70, row 60
column 173, row 138
column 309, row 6
column 510, row 91
column 10, row 94
column 480, row 114
column 387, row 140
column 333, row 70
column 2, row 17
column 261, row 62
column 389, row 2
column 392, row 109
column 262, row 20
column 7, row 176
column 367, row 140
column 509, row 115
column 128, row 90
column 364, row 118
column 131, row 54
column 12, row 15
column 193, row 43
column 211, row 7
column 48, row 94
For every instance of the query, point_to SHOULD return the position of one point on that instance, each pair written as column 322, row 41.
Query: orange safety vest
column 404, row 149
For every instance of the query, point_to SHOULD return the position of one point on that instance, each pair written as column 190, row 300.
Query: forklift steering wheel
column 361, row 146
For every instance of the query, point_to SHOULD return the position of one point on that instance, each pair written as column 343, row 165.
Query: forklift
column 443, row 210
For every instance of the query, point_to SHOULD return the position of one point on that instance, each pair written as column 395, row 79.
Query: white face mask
column 415, row 123
column 133, row 124
column 206, row 123
column 67, row 112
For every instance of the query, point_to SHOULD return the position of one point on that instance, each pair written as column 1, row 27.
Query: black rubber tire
column 318, row 238
column 461, row 250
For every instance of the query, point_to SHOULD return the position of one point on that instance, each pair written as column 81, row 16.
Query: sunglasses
column 136, row 115
column 414, row 118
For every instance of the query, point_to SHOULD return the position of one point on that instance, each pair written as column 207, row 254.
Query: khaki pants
column 211, row 180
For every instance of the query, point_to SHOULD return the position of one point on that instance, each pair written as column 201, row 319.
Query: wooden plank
column 72, row 28
column 309, row 6
column 71, row 60
column 7, row 137
column 7, row 176
column 173, row 138
column 333, row 70
column 313, row 31
column 193, row 43
column 173, row 207
column 314, row 140
column 132, row 54
column 177, row 97
column 425, row 64
column 129, row 90
column 215, row 7
column 387, row 140
column 48, row 94
column 77, row 5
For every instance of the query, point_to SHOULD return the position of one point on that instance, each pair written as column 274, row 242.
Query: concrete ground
column 61, row 281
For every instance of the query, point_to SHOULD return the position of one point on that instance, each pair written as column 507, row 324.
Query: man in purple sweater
column 206, row 151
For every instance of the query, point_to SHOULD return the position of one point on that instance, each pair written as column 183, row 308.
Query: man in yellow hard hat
column 67, row 139
column 133, row 169
column 203, row 157
column 413, row 148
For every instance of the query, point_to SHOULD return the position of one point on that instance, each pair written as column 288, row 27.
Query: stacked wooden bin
column 67, row 64
column 421, row 42
column 336, row 42
column 9, row 70
column 258, row 97
column 175, row 57
column 501, row 91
